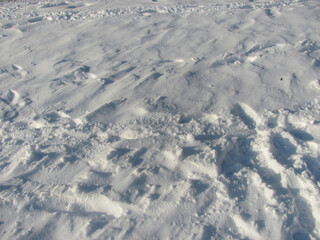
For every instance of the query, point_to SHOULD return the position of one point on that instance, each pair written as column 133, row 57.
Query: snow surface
column 160, row 119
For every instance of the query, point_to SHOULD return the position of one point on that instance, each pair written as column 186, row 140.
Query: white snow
column 158, row 119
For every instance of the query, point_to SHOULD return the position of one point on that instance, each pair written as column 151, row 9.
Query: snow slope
column 160, row 119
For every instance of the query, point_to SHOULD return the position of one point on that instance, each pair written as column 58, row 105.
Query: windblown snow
column 160, row 119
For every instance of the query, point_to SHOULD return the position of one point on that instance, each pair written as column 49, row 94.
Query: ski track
column 119, row 130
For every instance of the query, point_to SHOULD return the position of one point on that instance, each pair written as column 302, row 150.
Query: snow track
column 226, row 177
column 159, row 119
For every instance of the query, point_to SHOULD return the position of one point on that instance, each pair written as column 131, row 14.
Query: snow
column 157, row 119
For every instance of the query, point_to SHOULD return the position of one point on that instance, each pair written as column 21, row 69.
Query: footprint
column 151, row 79
column 227, row 59
column 236, row 156
column 269, row 13
column 188, row 151
column 75, row 6
column 305, row 214
column 120, row 74
column 273, row 121
column 255, row 49
column 258, row 51
column 14, row 99
column 87, row 188
column 103, row 112
column 283, row 149
column 197, row 187
column 13, row 105
column 60, row 116
column 106, row 81
column 210, row 232
column 66, row 65
column 243, row 24
column 52, row 117
column 308, row 46
column 232, row 59
column 17, row 105
column 76, row 77
column 185, row 119
column 316, row 62
column 162, row 104
column 247, row 115
column 136, row 188
column 15, row 71
column 99, row 178
column 8, row 25
column 34, row 20
column 313, row 165
column 36, row 156
column 300, row 235
column 118, row 153
column 301, row 135
column 197, row 60
column 137, row 159
column 95, row 225
column 7, row 112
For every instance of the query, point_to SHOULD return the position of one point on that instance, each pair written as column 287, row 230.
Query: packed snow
column 160, row 119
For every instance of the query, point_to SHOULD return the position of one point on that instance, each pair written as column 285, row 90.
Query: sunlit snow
column 160, row 119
